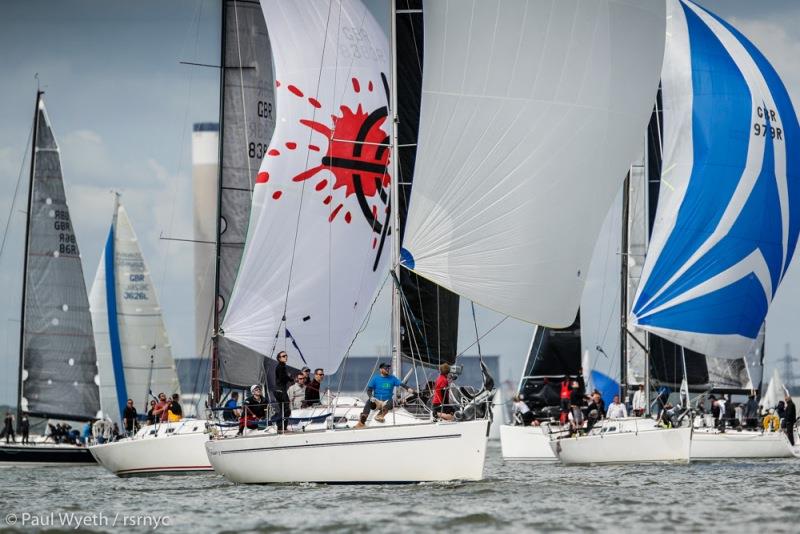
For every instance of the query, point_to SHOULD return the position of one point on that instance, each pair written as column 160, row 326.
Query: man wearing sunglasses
column 381, row 394
column 312, row 388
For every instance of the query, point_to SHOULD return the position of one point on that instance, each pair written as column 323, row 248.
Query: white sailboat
column 727, row 226
column 714, row 261
column 57, row 363
column 247, row 102
column 135, row 359
column 480, row 158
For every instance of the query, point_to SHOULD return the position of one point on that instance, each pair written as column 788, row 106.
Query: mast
column 395, row 203
column 34, row 139
column 215, row 387
column 623, row 300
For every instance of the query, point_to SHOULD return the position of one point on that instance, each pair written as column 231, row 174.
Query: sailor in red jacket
column 440, row 395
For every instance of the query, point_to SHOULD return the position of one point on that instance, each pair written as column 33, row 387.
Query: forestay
column 58, row 354
column 318, row 242
column 134, row 355
column 531, row 114
column 728, row 219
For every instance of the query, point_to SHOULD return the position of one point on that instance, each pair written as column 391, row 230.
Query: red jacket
column 440, row 391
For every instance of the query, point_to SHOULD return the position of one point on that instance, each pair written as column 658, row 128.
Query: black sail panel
column 248, row 120
column 58, row 354
column 430, row 321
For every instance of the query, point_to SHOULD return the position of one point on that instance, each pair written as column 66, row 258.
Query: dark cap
column 385, row 365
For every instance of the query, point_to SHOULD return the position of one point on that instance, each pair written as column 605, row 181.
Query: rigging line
column 477, row 338
column 16, row 190
column 501, row 321
column 303, row 186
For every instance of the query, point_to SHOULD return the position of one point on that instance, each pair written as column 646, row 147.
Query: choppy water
column 734, row 496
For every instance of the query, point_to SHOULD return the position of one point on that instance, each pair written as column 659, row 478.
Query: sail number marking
column 762, row 128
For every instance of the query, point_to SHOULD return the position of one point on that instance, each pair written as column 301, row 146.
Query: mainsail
column 58, row 367
column 530, row 117
column 248, row 121
column 318, row 241
column 430, row 322
column 133, row 350
column 727, row 221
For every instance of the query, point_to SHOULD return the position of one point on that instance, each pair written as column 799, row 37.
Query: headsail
column 247, row 124
column 318, row 241
column 531, row 115
column 58, row 354
column 727, row 220
column 134, row 355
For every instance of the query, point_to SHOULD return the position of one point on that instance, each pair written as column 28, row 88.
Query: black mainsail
column 247, row 117
column 58, row 364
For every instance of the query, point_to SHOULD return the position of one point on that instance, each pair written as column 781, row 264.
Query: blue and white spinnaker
column 729, row 209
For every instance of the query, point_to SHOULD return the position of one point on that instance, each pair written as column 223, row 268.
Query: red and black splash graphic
column 357, row 156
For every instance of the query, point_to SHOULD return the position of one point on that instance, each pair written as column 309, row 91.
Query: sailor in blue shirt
column 381, row 394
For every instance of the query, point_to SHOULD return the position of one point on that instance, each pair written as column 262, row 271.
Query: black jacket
column 791, row 414
column 282, row 378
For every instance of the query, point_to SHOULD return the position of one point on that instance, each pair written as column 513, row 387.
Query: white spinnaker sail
column 133, row 351
column 531, row 114
column 727, row 221
column 317, row 245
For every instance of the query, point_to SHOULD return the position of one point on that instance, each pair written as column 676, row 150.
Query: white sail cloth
column 128, row 327
column 531, row 114
column 728, row 220
column 317, row 245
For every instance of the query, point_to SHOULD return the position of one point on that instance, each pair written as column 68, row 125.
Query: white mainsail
column 318, row 242
column 531, row 115
column 134, row 355
column 727, row 221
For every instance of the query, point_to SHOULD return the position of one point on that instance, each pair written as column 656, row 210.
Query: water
column 733, row 496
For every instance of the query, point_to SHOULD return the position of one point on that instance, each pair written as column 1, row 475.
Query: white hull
column 420, row 452
column 713, row 445
column 633, row 441
column 173, row 448
column 526, row 443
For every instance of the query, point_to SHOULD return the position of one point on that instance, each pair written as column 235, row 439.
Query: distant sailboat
column 725, row 229
column 57, row 362
column 134, row 356
column 478, row 223
column 727, row 225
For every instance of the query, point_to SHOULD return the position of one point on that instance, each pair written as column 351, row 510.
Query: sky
column 122, row 107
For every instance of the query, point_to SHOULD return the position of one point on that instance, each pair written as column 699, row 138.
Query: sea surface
column 732, row 496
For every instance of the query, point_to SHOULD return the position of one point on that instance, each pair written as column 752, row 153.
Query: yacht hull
column 714, row 445
column 179, row 451
column 526, row 443
column 648, row 445
column 388, row 453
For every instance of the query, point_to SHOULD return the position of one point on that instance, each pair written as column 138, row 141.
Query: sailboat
column 726, row 227
column 133, row 353
column 478, row 223
column 553, row 355
column 57, row 363
column 246, row 117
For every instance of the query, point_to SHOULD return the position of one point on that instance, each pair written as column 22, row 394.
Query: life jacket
column 565, row 390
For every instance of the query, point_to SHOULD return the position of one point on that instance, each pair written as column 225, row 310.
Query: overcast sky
column 122, row 108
